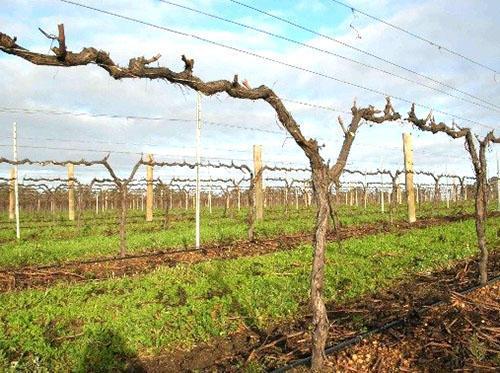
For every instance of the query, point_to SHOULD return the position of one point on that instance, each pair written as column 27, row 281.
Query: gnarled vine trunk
column 167, row 207
column 394, row 200
column 123, row 220
column 480, row 219
column 478, row 159
column 437, row 193
column 481, row 205
column 320, row 183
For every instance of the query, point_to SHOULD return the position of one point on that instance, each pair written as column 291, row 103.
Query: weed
column 477, row 348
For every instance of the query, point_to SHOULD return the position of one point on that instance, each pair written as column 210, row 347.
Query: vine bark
column 478, row 159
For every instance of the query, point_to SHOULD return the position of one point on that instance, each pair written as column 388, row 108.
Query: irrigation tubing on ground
column 360, row 337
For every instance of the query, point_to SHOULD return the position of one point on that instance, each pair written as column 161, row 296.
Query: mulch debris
column 462, row 333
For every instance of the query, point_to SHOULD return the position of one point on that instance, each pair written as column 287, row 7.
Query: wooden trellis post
column 149, row 189
column 259, row 194
column 408, row 159
column 71, row 191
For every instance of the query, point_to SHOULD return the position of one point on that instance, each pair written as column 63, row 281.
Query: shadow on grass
column 107, row 352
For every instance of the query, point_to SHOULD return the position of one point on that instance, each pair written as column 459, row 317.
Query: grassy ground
column 101, row 324
column 55, row 239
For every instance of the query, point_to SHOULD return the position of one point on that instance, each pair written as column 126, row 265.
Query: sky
column 231, row 127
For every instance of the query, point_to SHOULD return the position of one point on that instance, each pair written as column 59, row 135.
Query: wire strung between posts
column 343, row 43
column 273, row 60
column 416, row 36
column 133, row 117
column 109, row 151
column 96, row 140
column 491, row 106
column 81, row 162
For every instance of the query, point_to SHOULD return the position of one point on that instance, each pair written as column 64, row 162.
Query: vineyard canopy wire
column 10, row 44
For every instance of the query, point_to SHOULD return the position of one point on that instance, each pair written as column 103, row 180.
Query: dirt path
column 444, row 333
column 12, row 279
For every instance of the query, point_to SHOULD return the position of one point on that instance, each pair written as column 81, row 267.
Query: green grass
column 58, row 240
column 100, row 324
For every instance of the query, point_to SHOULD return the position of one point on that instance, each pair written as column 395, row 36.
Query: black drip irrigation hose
column 360, row 337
